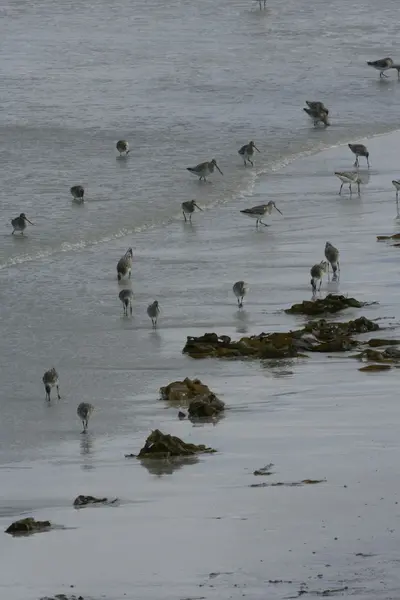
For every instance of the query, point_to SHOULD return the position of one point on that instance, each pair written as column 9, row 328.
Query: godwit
column 84, row 411
column 317, row 271
column 332, row 256
column 204, row 169
column 247, row 151
column 317, row 106
column 123, row 147
column 50, row 380
column 153, row 310
column 124, row 265
column 240, row 289
column 318, row 116
column 349, row 178
column 188, row 209
column 126, row 297
column 381, row 65
column 257, row 212
column 77, row 192
column 19, row 223
column 359, row 150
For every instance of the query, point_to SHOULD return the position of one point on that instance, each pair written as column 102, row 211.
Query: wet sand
column 318, row 418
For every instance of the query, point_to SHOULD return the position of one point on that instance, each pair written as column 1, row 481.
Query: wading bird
column 188, row 209
column 240, row 289
column 77, row 192
column 19, row 223
column 381, row 65
column 123, row 147
column 84, row 411
column 359, row 150
column 153, row 310
column 50, row 380
column 317, row 272
column 258, row 212
column 350, row 178
column 332, row 257
column 204, row 169
column 124, row 265
column 247, row 151
column 126, row 297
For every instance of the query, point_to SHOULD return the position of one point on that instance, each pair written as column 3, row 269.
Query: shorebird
column 126, row 297
column 123, row 147
column 247, row 151
column 397, row 67
column 396, row 183
column 317, row 271
column 381, row 65
column 188, row 209
column 124, row 265
column 359, row 150
column 257, row 212
column 153, row 310
column 204, row 169
column 50, row 380
column 240, row 289
column 19, row 223
column 317, row 106
column 318, row 116
column 332, row 256
column 84, row 411
column 349, row 178
column 77, row 192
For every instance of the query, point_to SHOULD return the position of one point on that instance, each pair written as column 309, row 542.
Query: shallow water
column 184, row 85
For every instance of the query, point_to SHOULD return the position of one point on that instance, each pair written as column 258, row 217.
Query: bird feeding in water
column 359, row 150
column 240, row 289
column 332, row 257
column 123, row 147
column 124, row 265
column 318, row 106
column 381, row 65
column 247, row 151
column 204, row 169
column 396, row 183
column 258, row 212
column 126, row 297
column 50, row 380
column 317, row 272
column 318, row 116
column 77, row 192
column 19, row 223
column 84, row 411
column 188, row 209
column 153, row 310
column 349, row 178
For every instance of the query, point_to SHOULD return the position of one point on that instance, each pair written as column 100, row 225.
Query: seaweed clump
column 332, row 303
column 160, row 446
column 195, row 395
column 28, row 525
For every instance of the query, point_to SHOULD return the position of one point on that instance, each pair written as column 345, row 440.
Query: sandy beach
column 201, row 530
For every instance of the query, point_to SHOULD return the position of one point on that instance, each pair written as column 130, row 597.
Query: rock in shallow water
column 28, row 525
column 81, row 501
column 194, row 394
column 160, row 445
column 330, row 304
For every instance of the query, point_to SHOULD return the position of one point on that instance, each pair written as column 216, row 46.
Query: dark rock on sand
column 62, row 597
column 194, row 394
column 28, row 525
column 376, row 342
column 316, row 336
column 376, row 367
column 81, row 501
column 159, row 446
column 331, row 304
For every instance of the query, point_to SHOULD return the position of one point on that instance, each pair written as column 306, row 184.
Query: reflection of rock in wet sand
column 167, row 466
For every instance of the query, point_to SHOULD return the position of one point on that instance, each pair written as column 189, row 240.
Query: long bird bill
column 275, row 206
column 197, row 206
column 26, row 219
column 256, row 148
column 218, row 168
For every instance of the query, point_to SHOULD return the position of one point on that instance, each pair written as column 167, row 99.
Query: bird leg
column 184, row 216
column 58, row 393
column 251, row 162
column 367, row 162
column 265, row 224
column 320, row 283
column 351, row 192
column 340, row 191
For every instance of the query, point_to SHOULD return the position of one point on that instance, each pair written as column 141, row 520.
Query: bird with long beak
column 349, row 177
column 19, row 223
column 381, row 65
column 204, row 169
column 318, row 116
column 188, row 208
column 359, row 150
column 258, row 212
column 247, row 151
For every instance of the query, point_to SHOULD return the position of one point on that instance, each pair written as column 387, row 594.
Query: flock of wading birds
column 319, row 113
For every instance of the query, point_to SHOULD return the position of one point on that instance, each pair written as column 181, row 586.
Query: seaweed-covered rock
column 160, row 445
column 376, row 342
column 395, row 236
column 330, row 304
column 375, row 367
column 81, row 501
column 62, row 597
column 316, row 336
column 28, row 525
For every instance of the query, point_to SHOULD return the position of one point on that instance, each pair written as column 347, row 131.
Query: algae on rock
column 195, row 395
column 28, row 525
column 330, row 304
column 81, row 501
column 159, row 446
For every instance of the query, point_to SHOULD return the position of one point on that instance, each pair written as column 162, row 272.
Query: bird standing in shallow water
column 19, row 223
column 359, row 150
column 77, row 192
column 50, row 380
column 188, row 209
column 317, row 106
column 240, row 289
column 126, row 297
column 153, row 310
column 350, row 178
column 124, row 265
column 396, row 183
column 204, row 169
column 257, row 212
column 332, row 256
column 247, row 151
column 318, row 116
column 381, row 65
column 123, row 147
column 317, row 272
column 84, row 411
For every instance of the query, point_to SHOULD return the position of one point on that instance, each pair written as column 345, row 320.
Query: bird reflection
column 168, row 465
column 86, row 449
column 242, row 319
